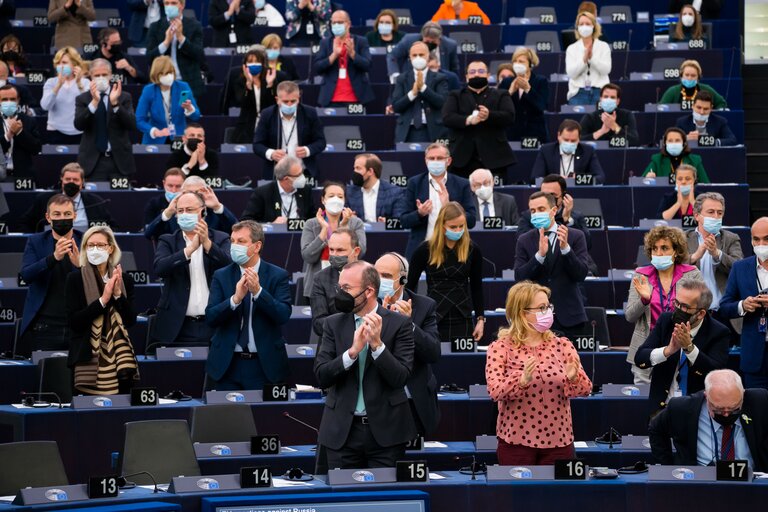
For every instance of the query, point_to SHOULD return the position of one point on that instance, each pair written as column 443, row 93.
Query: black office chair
column 30, row 464
column 160, row 447
column 299, row 299
column 227, row 423
column 338, row 135
column 597, row 315
column 535, row 13
column 55, row 376
column 544, row 41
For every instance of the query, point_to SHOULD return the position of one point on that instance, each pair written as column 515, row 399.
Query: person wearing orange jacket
column 460, row 10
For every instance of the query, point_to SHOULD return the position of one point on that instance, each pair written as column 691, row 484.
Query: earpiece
column 403, row 268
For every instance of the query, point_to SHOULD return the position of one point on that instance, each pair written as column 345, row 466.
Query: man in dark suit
column 343, row 62
column 48, row 258
column 249, row 302
column 445, row 49
column 172, row 181
column 289, row 128
column 428, row 192
column 418, row 98
column 343, row 248
column 478, row 117
column 286, row 197
column 143, row 14
column 568, row 157
column 723, row 422
column 608, row 120
column 701, row 121
column 490, row 203
column 194, row 157
column 684, row 345
column 186, row 261
column 746, row 296
column 231, row 21
column 364, row 361
column 111, row 48
column 21, row 140
column 421, row 385
column 554, row 256
column 181, row 39
column 372, row 199
column 105, row 116
column 91, row 209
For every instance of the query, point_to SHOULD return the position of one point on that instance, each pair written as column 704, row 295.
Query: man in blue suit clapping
column 372, row 199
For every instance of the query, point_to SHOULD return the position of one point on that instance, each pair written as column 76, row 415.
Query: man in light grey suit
column 432, row 34
column 490, row 203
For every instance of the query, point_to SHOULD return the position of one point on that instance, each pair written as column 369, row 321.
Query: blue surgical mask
column 8, row 108
column 385, row 29
column 273, row 54
column 338, row 29
column 288, row 110
column 674, row 148
column 685, row 189
column 64, row 69
column 700, row 118
column 436, row 167
column 712, row 225
column 688, row 84
column 662, row 262
column 386, row 288
column 454, row 236
column 170, row 196
column 239, row 254
column 541, row 220
column 259, row 4
column 187, row 221
column 172, row 11
column 568, row 148
column 254, row 69
column 608, row 105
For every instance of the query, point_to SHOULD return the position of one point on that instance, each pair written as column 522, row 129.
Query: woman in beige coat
column 71, row 18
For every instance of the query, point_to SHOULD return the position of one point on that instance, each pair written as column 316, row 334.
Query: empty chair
column 469, row 42
column 535, row 13
column 30, row 464
column 659, row 64
column 616, row 14
column 597, row 315
column 543, row 41
column 592, row 210
column 340, row 134
column 54, row 376
column 641, row 260
column 160, row 447
column 389, row 168
column 226, row 423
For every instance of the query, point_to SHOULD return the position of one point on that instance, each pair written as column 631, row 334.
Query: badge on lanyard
column 310, row 29
column 232, row 38
column 342, row 73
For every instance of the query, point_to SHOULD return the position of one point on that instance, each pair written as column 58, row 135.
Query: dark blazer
column 269, row 313
column 585, row 162
column 96, row 208
column 432, row 101
column 321, row 300
column 269, row 136
column 712, row 341
column 742, row 283
column 240, row 23
column 398, row 60
column 505, row 207
column 81, row 314
column 562, row 276
column 190, row 55
column 529, row 109
column 389, row 413
column 390, row 202
column 286, row 65
column 489, row 138
column 180, row 158
column 141, row 76
column 357, row 71
column 717, row 126
column 592, row 122
column 679, row 424
column 120, row 123
column 157, row 226
column 418, row 188
column 524, row 225
column 172, row 266
column 36, row 264
column 246, row 122
column 454, row 83
column 666, row 201
column 26, row 145
column 136, row 31
column 265, row 204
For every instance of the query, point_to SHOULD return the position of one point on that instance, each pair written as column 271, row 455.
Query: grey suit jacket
column 312, row 248
column 321, row 300
column 729, row 243
column 505, row 207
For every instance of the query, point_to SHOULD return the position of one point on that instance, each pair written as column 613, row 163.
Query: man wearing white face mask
column 286, row 197
column 105, row 116
column 746, row 295
column 490, row 203
column 609, row 121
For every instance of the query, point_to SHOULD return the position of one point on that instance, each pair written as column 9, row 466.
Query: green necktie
column 360, row 407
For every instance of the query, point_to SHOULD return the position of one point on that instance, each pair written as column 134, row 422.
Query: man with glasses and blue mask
column 428, row 192
column 21, row 140
column 723, row 422
column 172, row 182
column 568, row 157
column 609, row 121
column 186, row 261
column 286, row 197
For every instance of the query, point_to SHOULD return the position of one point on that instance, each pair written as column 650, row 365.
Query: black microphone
column 594, row 352
column 608, row 253
column 656, row 118
column 730, row 74
column 626, row 57
column 125, row 484
column 224, row 109
column 557, row 83
column 28, row 399
column 492, row 264
column 287, row 415
column 474, row 468
column 626, row 148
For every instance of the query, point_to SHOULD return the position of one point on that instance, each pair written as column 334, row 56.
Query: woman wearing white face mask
column 317, row 231
column 100, row 310
column 587, row 62
column 530, row 95
column 59, row 94
column 688, row 28
column 165, row 105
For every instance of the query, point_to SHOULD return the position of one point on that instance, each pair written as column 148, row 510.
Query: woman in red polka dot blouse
column 531, row 373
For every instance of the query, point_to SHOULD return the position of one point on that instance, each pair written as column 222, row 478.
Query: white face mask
column 761, row 251
column 484, row 193
column 520, row 69
column 419, row 63
column 102, row 83
column 97, row 256
column 334, row 205
column 167, row 80
column 586, row 30
column 688, row 20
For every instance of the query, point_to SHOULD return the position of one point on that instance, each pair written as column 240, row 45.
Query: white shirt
column 7, row 134
column 198, row 289
column 274, row 18
column 567, row 164
column 434, row 196
column 61, row 106
column 658, row 357
column 289, row 137
column 288, row 208
column 707, row 266
column 762, row 277
column 369, row 201
column 579, row 73
column 153, row 12
column 481, row 208
column 252, row 298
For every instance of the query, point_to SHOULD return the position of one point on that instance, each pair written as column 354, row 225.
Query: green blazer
column 662, row 166
column 189, row 56
column 672, row 95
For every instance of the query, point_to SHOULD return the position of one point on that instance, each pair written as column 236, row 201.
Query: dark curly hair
column 675, row 237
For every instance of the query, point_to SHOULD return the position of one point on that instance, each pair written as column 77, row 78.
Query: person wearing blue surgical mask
column 653, row 288
column 165, row 204
column 22, row 141
column 703, row 122
column 567, row 157
column 678, row 203
column 609, row 122
column 689, row 87
column 674, row 152
column 252, row 89
column 453, row 265
column 59, row 94
column 385, row 31
column 273, row 45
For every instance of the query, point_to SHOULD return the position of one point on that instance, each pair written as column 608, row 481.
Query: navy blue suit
column 269, row 313
column 137, row 33
column 390, row 202
column 585, row 162
column 717, row 126
column 398, row 60
column 357, row 71
column 155, row 226
column 432, row 100
column 173, row 267
column 418, row 188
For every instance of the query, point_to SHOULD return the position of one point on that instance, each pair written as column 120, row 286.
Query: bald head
column 340, row 16
column 724, row 391
column 760, row 232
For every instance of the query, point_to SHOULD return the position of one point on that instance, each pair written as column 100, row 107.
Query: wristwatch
column 688, row 349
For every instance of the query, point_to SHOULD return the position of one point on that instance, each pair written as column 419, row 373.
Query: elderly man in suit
column 419, row 97
column 186, row 261
column 364, row 361
column 105, row 116
column 490, row 203
column 445, row 49
column 249, row 302
column 370, row 198
column 568, row 157
column 723, row 422
column 286, row 197
column 701, row 121
column 22, row 139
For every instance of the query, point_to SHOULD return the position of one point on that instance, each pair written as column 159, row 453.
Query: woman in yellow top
column 459, row 10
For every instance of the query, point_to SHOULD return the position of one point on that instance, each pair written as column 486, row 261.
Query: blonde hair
column 691, row 64
column 529, row 53
column 161, row 66
column 71, row 53
column 518, row 299
column 271, row 39
column 448, row 212
column 591, row 17
column 114, row 258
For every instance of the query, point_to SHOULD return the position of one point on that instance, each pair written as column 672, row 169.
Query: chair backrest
column 28, row 13
column 535, row 13
column 190, row 13
column 598, row 316
column 128, row 260
column 54, row 376
column 229, row 135
column 340, row 134
column 299, row 299
column 228, row 423
column 160, row 447
column 592, row 208
column 403, row 15
column 543, row 41
column 103, row 13
column 607, row 12
column 467, row 41
column 10, row 263
column 641, row 260
column 30, row 464
column 659, row 64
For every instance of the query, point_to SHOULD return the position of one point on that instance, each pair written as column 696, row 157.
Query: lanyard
column 287, row 212
column 567, row 170
column 665, row 307
column 167, row 107
column 287, row 139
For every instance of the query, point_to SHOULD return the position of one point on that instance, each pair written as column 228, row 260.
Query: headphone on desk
column 403, row 267
column 297, row 475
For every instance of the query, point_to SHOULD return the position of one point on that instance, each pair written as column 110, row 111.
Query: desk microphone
column 474, row 469
column 125, row 484
column 557, row 83
column 28, row 399
column 626, row 150
column 656, row 119
column 492, row 264
column 292, row 418
column 611, row 277
column 594, row 352
column 730, row 74
column 626, row 57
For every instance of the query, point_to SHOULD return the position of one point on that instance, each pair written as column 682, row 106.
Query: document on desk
column 7, row 499
column 580, row 444
column 436, row 476
column 166, row 401
column 279, row 482
column 434, row 444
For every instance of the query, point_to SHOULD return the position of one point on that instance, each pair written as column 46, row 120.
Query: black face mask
column 357, row 179
column 727, row 420
column 478, row 82
column 680, row 317
column 192, row 144
column 346, row 303
column 431, row 46
column 71, row 189
column 11, row 55
column 61, row 226
column 116, row 49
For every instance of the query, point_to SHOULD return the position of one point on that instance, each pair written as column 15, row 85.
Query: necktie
column 682, row 375
column 486, row 209
column 246, row 323
column 726, row 446
column 102, row 138
column 360, row 407
column 550, row 258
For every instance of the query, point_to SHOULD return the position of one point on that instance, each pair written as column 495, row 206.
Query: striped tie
column 727, row 444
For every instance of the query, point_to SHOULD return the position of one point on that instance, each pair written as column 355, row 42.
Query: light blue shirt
column 175, row 45
column 81, row 218
column 706, row 453
column 707, row 268
column 252, row 298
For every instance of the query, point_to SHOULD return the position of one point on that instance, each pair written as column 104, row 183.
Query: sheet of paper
column 304, row 387
column 166, row 401
column 434, row 444
column 580, row 444
column 7, row 499
column 436, row 476
column 279, row 482
column 287, row 449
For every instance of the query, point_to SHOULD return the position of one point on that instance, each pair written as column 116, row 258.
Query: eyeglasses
column 542, row 309
column 730, row 411
column 97, row 246
column 684, row 307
